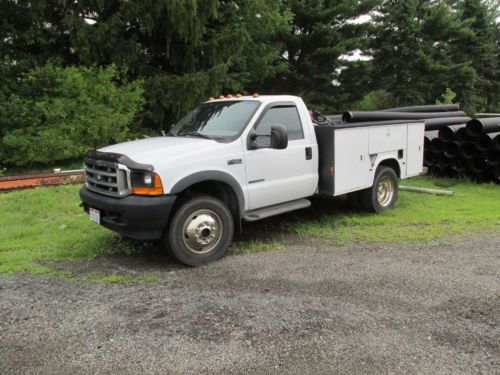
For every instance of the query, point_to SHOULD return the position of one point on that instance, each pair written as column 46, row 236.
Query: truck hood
column 160, row 148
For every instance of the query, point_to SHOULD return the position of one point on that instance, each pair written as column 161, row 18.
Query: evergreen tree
column 322, row 32
column 185, row 50
column 412, row 50
column 480, row 49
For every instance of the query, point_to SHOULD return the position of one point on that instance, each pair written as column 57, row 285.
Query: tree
column 412, row 53
column 58, row 114
column 321, row 33
column 184, row 50
column 480, row 49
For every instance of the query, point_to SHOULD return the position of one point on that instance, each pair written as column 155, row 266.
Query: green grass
column 417, row 217
column 44, row 225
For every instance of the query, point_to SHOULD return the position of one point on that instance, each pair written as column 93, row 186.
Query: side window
column 284, row 115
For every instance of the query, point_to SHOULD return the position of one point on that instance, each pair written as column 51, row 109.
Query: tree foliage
column 57, row 114
column 181, row 52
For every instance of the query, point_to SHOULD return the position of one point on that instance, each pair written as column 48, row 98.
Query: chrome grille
column 107, row 178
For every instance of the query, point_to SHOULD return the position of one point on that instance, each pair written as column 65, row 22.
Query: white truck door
column 277, row 176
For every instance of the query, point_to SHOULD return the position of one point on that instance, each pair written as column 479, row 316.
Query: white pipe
column 428, row 191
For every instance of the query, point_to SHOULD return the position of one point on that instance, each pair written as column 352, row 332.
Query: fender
column 386, row 158
column 212, row 176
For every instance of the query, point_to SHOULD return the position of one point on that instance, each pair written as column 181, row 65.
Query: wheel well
column 216, row 189
column 391, row 163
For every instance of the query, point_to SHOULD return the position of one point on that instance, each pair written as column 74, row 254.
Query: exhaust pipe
column 425, row 108
column 478, row 126
column 362, row 116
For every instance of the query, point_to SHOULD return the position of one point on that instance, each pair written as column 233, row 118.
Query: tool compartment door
column 352, row 162
column 415, row 150
column 387, row 138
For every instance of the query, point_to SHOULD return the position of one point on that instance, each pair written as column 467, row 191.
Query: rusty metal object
column 26, row 181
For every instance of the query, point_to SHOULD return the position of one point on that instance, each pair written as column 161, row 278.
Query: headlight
column 146, row 183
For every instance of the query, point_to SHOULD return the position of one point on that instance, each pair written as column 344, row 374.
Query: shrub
column 56, row 114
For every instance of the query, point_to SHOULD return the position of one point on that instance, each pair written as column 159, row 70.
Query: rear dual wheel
column 200, row 232
column 384, row 192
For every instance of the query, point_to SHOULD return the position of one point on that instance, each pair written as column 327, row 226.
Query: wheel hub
column 202, row 231
column 385, row 191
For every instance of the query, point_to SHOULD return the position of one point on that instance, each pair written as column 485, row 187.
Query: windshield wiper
column 195, row 134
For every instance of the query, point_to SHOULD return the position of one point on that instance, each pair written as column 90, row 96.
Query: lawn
column 46, row 224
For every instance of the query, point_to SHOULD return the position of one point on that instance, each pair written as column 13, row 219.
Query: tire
column 200, row 232
column 384, row 192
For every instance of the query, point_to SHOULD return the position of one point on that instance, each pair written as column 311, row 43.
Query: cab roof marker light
column 221, row 96
column 256, row 94
column 229, row 96
column 238, row 95
column 211, row 98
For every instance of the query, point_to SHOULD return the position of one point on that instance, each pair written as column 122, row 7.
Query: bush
column 57, row 114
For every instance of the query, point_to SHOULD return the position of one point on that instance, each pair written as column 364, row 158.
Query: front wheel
column 201, row 231
column 384, row 192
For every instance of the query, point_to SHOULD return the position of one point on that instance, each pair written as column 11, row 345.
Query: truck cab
column 228, row 160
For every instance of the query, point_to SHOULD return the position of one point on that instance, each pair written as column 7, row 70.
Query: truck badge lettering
column 234, row 161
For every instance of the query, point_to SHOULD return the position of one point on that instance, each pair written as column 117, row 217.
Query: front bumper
column 139, row 217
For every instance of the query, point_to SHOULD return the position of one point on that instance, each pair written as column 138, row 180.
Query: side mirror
column 279, row 137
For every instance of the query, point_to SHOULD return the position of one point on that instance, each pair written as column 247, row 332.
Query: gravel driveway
column 313, row 308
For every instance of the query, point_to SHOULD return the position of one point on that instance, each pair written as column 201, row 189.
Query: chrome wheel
column 202, row 231
column 385, row 191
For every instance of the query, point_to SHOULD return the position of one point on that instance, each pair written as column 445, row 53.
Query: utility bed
column 348, row 152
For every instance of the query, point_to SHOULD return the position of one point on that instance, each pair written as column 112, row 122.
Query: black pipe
column 444, row 160
column 489, row 140
column 425, row 108
column 361, row 116
column 449, row 171
column 468, row 150
column 458, row 165
column 495, row 172
column 447, row 133
column 436, row 170
column 478, row 126
column 437, row 146
column 438, row 123
column 492, row 157
column 484, row 143
column 452, row 149
column 428, row 137
column 477, row 165
column 462, row 136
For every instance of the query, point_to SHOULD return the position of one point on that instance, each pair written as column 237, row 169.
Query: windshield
column 216, row 120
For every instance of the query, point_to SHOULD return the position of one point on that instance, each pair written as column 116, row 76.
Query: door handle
column 309, row 153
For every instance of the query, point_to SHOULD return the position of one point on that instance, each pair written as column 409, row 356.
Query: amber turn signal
column 155, row 187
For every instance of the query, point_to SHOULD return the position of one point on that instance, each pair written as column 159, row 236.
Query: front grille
column 107, row 178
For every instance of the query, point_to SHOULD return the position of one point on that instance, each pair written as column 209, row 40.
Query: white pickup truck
column 239, row 159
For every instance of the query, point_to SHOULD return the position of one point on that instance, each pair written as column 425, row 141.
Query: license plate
column 95, row 215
